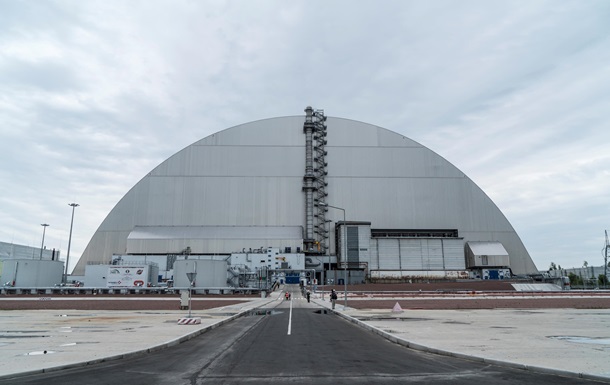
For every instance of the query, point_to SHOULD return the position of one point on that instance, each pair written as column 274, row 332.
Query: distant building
column 588, row 272
column 344, row 193
column 14, row 251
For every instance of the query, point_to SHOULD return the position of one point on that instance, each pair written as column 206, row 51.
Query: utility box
column 31, row 273
column 184, row 299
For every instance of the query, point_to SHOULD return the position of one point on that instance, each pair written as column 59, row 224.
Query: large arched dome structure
column 273, row 181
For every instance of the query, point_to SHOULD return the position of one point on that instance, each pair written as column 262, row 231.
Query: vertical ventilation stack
column 314, row 181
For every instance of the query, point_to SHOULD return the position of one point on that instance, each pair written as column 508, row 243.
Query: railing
column 155, row 290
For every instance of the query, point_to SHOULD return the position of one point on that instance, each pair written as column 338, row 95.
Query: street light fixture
column 344, row 249
column 44, row 228
column 74, row 205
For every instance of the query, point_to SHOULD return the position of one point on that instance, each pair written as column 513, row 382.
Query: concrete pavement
column 564, row 341
column 45, row 340
column 571, row 342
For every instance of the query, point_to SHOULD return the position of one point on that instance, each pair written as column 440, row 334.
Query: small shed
column 486, row 254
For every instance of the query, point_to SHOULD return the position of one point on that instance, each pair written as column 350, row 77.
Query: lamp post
column 324, row 277
column 44, row 228
column 344, row 249
column 74, row 205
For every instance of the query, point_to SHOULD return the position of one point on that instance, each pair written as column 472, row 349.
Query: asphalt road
column 295, row 342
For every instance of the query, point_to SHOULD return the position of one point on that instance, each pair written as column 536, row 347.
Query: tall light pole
column 328, row 221
column 344, row 249
column 44, row 228
column 74, row 205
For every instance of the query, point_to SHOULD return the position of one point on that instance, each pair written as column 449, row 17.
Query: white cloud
column 93, row 95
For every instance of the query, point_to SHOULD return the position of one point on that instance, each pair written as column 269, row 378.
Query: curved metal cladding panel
column 209, row 273
column 251, row 175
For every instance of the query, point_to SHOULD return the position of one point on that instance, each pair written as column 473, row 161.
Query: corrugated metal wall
column 32, row 272
column 373, row 258
column 353, row 246
column 209, row 273
column 410, row 254
column 251, row 175
column 11, row 250
column 454, row 254
column 389, row 254
column 432, row 254
column 417, row 254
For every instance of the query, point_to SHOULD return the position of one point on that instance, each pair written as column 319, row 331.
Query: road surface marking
column 290, row 318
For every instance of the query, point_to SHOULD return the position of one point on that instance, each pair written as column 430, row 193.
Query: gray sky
column 95, row 94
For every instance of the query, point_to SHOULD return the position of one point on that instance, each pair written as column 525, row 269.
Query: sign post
column 191, row 277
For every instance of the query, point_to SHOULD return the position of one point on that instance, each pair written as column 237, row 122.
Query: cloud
column 93, row 95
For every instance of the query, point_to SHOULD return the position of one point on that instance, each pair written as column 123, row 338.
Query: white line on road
column 290, row 318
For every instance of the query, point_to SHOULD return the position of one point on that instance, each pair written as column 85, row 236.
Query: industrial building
column 16, row 251
column 26, row 266
column 345, row 196
column 31, row 273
